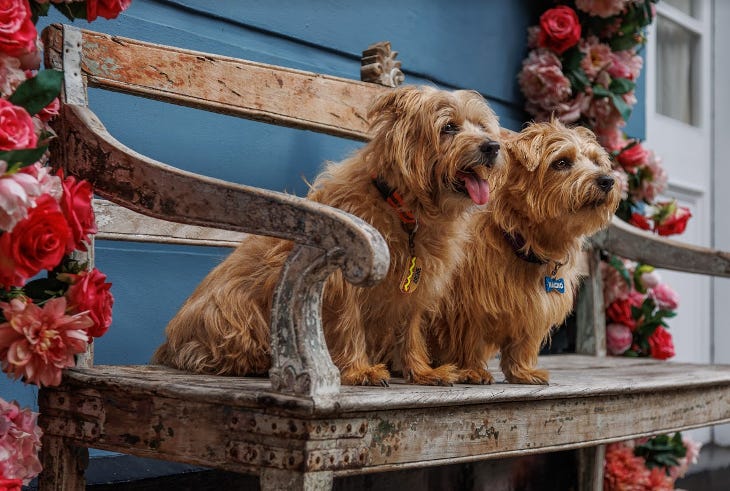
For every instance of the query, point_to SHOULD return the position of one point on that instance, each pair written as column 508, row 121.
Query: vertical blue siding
column 456, row 44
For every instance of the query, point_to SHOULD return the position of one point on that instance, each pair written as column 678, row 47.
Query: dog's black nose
column 490, row 149
column 605, row 183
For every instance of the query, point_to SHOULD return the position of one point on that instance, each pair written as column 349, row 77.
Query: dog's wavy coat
column 435, row 148
column 557, row 188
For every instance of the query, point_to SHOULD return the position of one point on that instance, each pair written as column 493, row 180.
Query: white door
column 721, row 192
column 679, row 129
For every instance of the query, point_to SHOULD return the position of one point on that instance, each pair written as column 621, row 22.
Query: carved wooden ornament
column 379, row 65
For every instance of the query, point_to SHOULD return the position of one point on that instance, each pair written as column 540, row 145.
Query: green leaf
column 39, row 10
column 600, row 91
column 666, row 313
column 36, row 93
column 620, row 105
column 619, row 265
column 17, row 159
column 621, row 86
column 73, row 10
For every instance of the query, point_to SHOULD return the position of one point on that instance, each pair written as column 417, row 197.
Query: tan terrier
column 520, row 272
column 426, row 165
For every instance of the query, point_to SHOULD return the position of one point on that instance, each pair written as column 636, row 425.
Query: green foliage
column 662, row 450
column 17, row 159
column 36, row 93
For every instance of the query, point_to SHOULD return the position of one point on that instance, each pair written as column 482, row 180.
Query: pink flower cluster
column 626, row 471
column 634, row 325
column 20, row 441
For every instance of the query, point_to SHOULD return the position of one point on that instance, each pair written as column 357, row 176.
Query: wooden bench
column 300, row 429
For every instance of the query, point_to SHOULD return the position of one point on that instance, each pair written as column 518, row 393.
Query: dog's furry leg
column 473, row 366
column 416, row 360
column 519, row 358
column 346, row 332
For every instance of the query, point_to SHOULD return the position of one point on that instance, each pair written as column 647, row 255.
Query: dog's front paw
column 529, row 376
column 374, row 375
column 443, row 375
column 475, row 376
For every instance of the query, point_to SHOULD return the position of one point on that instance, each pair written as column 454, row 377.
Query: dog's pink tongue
column 478, row 189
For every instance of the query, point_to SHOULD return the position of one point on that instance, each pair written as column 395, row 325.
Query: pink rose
column 661, row 345
column 597, row 56
column 109, row 9
column 633, row 156
column 17, row 195
column 37, row 242
column 20, row 442
column 90, row 293
column 37, row 343
column 603, row 113
column 601, row 8
column 77, row 208
column 664, row 296
column 542, row 81
column 614, row 285
column 559, row 29
column 50, row 111
column 16, row 127
column 618, row 338
column 625, row 64
column 11, row 75
column 17, row 31
column 659, row 480
column 650, row 279
column 611, row 138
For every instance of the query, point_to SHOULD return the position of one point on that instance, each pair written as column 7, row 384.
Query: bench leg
column 590, row 468
column 63, row 465
column 276, row 480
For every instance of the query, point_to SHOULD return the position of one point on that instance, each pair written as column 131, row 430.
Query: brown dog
column 429, row 157
column 520, row 271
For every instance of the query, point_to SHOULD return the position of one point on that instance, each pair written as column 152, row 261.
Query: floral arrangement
column 652, row 464
column 582, row 69
column 45, row 217
column 638, row 304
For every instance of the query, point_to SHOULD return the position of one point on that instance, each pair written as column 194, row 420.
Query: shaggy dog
column 426, row 165
column 520, row 272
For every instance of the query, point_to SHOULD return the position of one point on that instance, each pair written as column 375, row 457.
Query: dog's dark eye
column 450, row 129
column 562, row 164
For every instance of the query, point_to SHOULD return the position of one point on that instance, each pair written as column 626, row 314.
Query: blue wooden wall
column 456, row 44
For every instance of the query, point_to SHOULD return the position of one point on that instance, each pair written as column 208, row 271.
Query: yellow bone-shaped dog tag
column 411, row 276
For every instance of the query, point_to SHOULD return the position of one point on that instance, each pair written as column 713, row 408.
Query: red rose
column 17, row 31
column 674, row 223
column 660, row 344
column 90, row 292
column 11, row 484
column 79, row 213
column 619, row 311
column 633, row 156
column 37, row 242
column 50, row 111
column 639, row 220
column 109, row 9
column 16, row 127
column 559, row 29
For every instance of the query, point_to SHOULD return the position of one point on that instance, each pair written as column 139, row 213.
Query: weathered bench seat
column 300, row 429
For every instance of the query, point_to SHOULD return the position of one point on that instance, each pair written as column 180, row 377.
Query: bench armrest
column 325, row 238
column 629, row 242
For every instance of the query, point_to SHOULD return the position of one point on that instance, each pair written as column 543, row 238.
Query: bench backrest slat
column 258, row 91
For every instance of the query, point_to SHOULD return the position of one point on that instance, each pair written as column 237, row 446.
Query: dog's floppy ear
column 391, row 105
column 524, row 147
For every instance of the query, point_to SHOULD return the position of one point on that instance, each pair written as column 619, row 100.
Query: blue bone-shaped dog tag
column 554, row 284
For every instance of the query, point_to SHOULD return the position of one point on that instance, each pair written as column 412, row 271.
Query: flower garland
column 44, row 218
column 582, row 68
